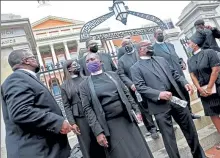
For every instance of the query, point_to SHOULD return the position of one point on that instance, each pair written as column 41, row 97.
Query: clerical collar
column 30, row 72
column 145, row 57
column 74, row 76
column 196, row 52
column 97, row 72
column 159, row 42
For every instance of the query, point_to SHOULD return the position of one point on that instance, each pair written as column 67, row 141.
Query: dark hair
column 67, row 77
column 199, row 22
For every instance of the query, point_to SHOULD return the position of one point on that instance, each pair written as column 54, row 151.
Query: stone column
column 109, row 47
column 113, row 47
column 105, row 46
column 53, row 54
column 67, row 53
column 39, row 57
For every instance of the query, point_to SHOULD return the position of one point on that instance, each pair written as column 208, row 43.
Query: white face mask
column 74, row 76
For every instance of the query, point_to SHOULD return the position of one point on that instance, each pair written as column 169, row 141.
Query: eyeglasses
column 31, row 57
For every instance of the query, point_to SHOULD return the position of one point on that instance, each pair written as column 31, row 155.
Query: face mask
column 93, row 66
column 189, row 50
column 160, row 38
column 128, row 49
column 37, row 69
column 150, row 53
column 94, row 49
column 77, row 69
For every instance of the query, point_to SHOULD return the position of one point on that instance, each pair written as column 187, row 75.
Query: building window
column 61, row 60
column 48, row 63
column 66, row 31
column 170, row 25
column 55, row 87
column 73, row 56
column 54, row 33
column 41, row 35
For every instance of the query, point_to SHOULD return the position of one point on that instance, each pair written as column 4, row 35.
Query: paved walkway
column 213, row 153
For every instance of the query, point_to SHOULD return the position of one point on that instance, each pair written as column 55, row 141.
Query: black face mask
column 77, row 70
column 150, row 53
column 37, row 69
column 160, row 38
column 94, row 49
column 128, row 49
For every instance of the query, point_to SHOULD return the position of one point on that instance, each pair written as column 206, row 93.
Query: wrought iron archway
column 89, row 26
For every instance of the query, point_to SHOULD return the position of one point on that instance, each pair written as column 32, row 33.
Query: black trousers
column 186, row 95
column 87, row 141
column 147, row 118
column 183, row 118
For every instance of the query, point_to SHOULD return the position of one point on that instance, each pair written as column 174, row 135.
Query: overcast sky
column 88, row 10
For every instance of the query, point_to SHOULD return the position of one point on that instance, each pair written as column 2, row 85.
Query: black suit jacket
column 33, row 119
column 108, row 64
column 93, row 109
column 208, row 38
column 121, row 51
column 124, row 65
column 171, row 56
column 71, row 100
column 146, row 82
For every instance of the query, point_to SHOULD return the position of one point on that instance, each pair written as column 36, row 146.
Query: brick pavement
column 213, row 153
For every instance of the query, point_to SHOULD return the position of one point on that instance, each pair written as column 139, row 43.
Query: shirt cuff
column 158, row 97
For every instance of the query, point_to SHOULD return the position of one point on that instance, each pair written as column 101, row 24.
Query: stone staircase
column 208, row 135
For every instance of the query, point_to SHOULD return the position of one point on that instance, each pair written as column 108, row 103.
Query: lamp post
column 120, row 11
column 43, row 3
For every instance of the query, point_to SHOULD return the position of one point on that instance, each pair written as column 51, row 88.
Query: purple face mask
column 93, row 66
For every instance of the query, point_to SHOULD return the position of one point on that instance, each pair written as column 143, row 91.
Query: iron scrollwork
column 86, row 29
column 152, row 18
column 121, row 34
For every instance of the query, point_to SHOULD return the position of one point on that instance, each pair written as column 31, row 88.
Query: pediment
column 52, row 21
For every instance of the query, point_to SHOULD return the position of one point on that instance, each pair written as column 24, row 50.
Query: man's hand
column 76, row 129
column 101, row 139
column 66, row 128
column 202, row 92
column 189, row 88
column 133, row 88
column 165, row 95
column 208, row 91
column 208, row 27
column 139, row 117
